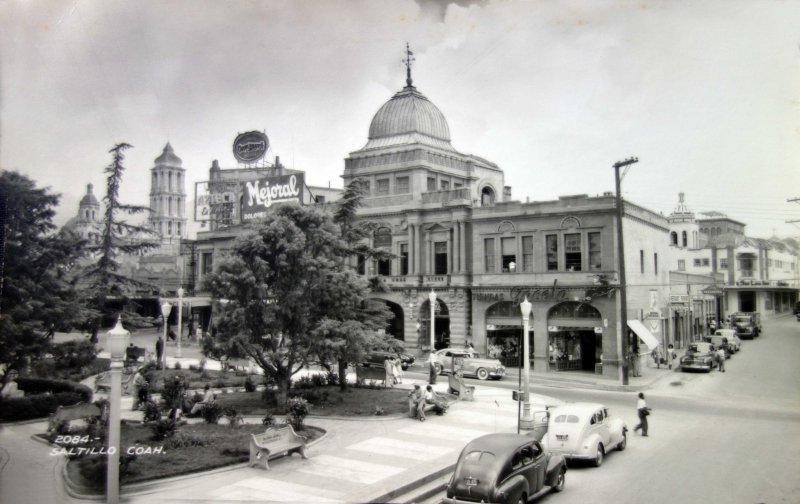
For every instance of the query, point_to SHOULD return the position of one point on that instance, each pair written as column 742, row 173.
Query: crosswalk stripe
column 267, row 489
column 431, row 429
column 400, row 448
column 349, row 469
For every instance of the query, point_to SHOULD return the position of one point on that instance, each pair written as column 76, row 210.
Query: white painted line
column 266, row 489
column 349, row 469
column 400, row 448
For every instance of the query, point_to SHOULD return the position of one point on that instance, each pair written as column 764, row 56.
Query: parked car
column 471, row 364
column 699, row 356
column 796, row 310
column 378, row 357
column 734, row 342
column 504, row 468
column 746, row 325
column 720, row 341
column 585, row 431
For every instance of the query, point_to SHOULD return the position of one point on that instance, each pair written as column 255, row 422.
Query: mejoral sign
column 258, row 195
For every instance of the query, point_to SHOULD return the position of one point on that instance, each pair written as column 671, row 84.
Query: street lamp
column 527, row 421
column 180, row 322
column 165, row 309
column 117, row 342
column 432, row 299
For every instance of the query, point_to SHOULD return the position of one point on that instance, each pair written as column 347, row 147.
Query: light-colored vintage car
column 504, row 468
column 470, row 363
column 584, row 431
column 734, row 342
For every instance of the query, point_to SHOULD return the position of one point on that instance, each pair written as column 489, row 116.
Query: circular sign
column 250, row 147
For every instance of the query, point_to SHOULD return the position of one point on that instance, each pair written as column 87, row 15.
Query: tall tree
column 355, row 231
column 37, row 294
column 104, row 281
column 282, row 289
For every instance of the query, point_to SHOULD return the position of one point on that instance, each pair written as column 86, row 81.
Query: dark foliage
column 45, row 385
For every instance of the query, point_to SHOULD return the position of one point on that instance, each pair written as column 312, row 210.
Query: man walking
column 159, row 352
column 720, row 354
column 642, row 411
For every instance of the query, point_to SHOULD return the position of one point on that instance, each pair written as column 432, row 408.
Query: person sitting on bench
column 432, row 397
column 208, row 398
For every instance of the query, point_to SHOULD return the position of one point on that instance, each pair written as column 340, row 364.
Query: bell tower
column 168, row 197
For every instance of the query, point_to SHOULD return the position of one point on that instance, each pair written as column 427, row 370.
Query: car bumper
column 455, row 500
column 696, row 367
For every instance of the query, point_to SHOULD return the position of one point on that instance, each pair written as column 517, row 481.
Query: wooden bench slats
column 275, row 442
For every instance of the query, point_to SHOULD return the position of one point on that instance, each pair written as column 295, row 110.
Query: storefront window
column 488, row 255
column 551, row 248
column 404, row 258
column 595, row 261
column 508, row 248
column 527, row 253
column 572, row 251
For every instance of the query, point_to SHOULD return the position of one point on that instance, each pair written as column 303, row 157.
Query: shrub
column 297, row 410
column 33, row 386
column 212, row 413
column 269, row 397
column 152, row 413
column 178, row 365
column 194, row 368
column 183, row 440
column 314, row 396
column 249, row 385
column 332, row 378
column 234, row 452
column 318, row 380
column 163, row 429
column 233, row 416
column 174, row 390
column 68, row 398
column 268, row 420
column 202, row 366
column 204, row 374
column 304, row 382
column 220, row 383
column 73, row 354
column 379, row 411
column 24, row 408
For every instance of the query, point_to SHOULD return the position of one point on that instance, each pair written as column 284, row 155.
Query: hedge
column 34, row 386
column 35, row 406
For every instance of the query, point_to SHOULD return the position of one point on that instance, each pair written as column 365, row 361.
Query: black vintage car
column 378, row 357
column 504, row 468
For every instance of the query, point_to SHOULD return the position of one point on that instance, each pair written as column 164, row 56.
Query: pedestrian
column 656, row 357
column 172, row 335
column 432, row 370
column 416, row 403
column 470, row 347
column 159, row 352
column 671, row 355
column 712, row 326
column 208, row 398
column 720, row 355
column 388, row 378
column 191, row 329
column 398, row 370
column 643, row 412
column 139, row 390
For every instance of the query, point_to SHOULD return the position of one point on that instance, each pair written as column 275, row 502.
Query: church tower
column 168, row 197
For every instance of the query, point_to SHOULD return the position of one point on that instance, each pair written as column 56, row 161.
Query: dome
column 168, row 157
column 89, row 199
column 409, row 112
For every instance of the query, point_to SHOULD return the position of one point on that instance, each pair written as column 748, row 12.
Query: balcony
column 445, row 197
column 403, row 280
column 436, row 280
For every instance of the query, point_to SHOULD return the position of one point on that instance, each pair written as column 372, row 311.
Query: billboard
column 215, row 202
column 260, row 194
column 250, row 147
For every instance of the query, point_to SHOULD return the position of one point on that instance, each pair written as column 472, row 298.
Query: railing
column 437, row 280
column 446, row 196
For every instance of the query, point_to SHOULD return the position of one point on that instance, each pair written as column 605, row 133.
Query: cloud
column 437, row 9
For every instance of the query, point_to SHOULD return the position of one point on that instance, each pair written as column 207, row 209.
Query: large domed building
column 87, row 223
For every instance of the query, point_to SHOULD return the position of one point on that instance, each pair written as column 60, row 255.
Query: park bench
column 102, row 382
column 75, row 412
column 459, row 388
column 273, row 443
column 371, row 373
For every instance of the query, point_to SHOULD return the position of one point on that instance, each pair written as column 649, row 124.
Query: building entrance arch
column 396, row 325
column 441, row 325
column 575, row 337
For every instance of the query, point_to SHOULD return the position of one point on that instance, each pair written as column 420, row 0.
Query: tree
column 354, row 231
column 37, row 294
column 281, row 291
column 103, row 280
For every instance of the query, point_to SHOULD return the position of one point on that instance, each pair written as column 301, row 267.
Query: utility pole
column 623, row 302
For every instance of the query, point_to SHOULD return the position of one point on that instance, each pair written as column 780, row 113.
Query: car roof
column 578, row 408
column 464, row 350
column 498, row 443
column 724, row 332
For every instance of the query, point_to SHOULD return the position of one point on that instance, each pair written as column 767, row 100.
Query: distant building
column 88, row 222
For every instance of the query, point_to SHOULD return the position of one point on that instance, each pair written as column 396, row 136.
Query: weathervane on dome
column 408, row 61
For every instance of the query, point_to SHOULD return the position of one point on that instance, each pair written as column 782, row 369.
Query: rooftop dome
column 168, row 157
column 409, row 117
column 89, row 199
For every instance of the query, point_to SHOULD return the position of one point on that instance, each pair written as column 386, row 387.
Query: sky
column 704, row 94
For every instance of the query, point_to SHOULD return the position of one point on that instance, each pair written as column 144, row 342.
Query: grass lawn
column 207, row 447
column 326, row 401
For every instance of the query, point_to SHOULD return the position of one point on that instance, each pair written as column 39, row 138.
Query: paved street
column 718, row 437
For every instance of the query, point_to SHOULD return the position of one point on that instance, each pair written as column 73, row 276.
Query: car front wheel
column 560, row 480
column 438, row 369
column 482, row 374
column 622, row 444
column 598, row 457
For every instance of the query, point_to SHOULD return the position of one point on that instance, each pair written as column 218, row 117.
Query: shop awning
column 643, row 333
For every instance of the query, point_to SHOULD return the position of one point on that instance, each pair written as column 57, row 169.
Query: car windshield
column 742, row 320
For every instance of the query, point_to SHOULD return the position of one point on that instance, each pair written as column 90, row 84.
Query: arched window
column 383, row 241
column 673, row 238
column 684, row 239
column 487, row 196
column 169, row 206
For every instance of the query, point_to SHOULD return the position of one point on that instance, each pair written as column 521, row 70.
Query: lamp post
column 527, row 421
column 165, row 309
column 117, row 342
column 432, row 299
column 622, row 324
column 180, row 321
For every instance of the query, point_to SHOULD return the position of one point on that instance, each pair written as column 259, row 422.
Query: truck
column 746, row 324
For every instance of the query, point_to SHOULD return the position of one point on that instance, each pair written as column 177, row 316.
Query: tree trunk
column 283, row 392
column 342, row 374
